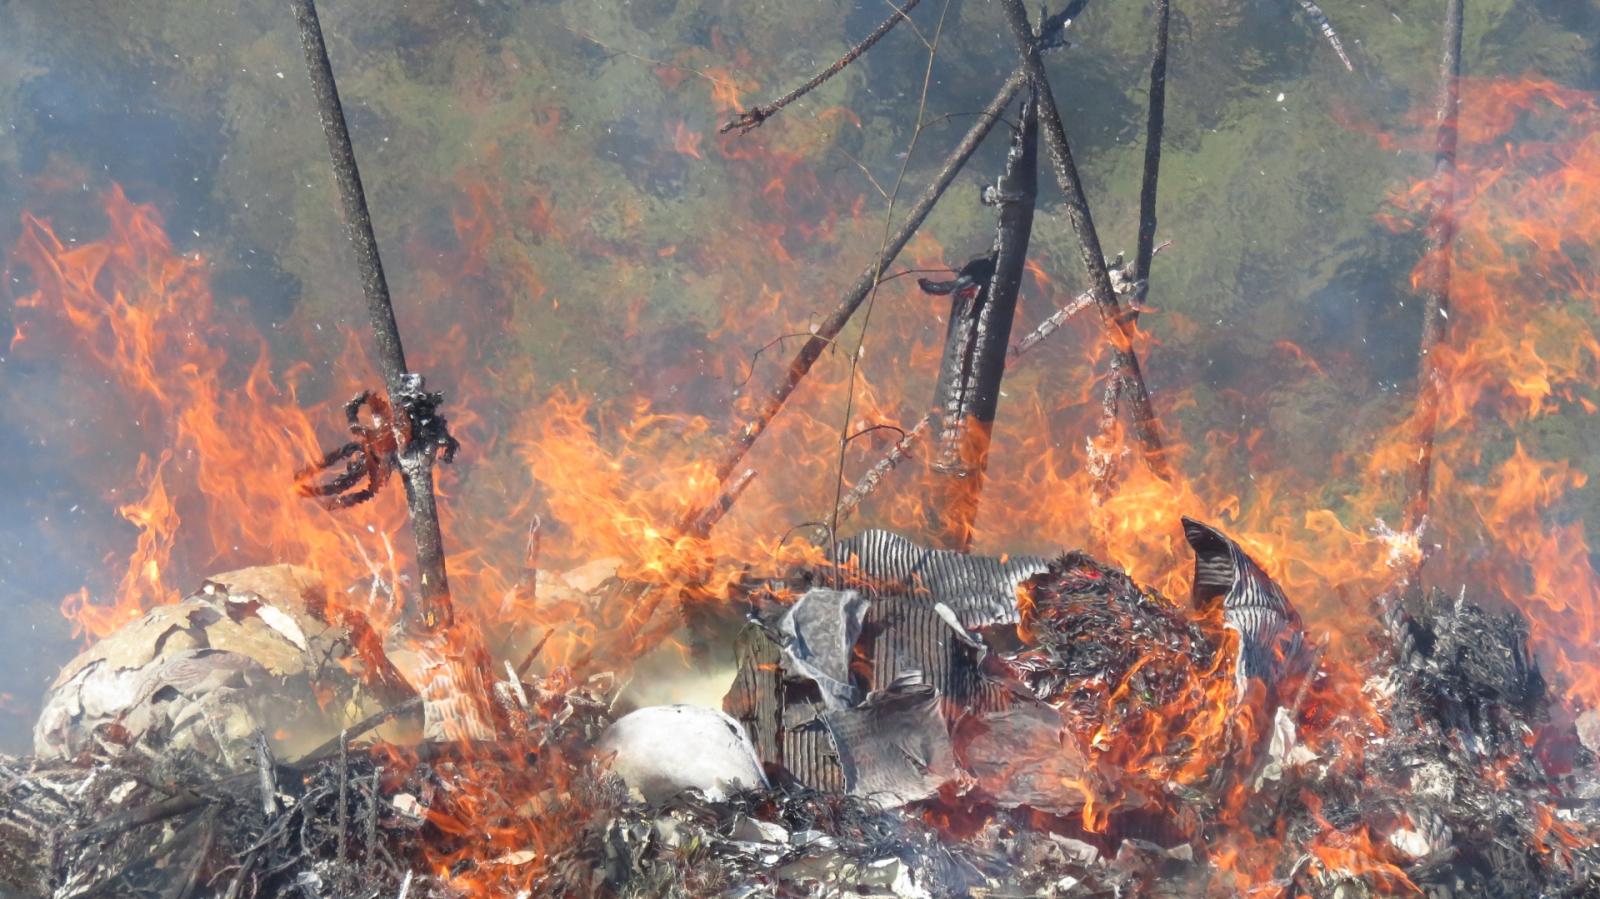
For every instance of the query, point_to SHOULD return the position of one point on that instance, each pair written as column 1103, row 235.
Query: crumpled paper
column 254, row 649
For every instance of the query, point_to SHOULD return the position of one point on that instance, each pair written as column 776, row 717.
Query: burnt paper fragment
column 894, row 748
column 1271, row 641
column 818, row 634
column 1022, row 756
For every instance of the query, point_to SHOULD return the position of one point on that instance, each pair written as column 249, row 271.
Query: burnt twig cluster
column 375, row 453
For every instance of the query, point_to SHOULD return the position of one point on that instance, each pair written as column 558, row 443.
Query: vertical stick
column 968, row 392
column 1441, row 234
column 416, row 468
column 1118, row 329
column 1155, row 125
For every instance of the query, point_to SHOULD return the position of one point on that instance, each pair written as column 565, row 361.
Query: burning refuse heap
column 904, row 721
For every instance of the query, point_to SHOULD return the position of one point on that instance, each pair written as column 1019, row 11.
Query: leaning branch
column 830, row 327
column 875, row 475
column 1116, row 377
column 1121, row 281
column 1118, row 329
column 753, row 119
column 1155, row 125
column 1441, row 234
column 416, row 463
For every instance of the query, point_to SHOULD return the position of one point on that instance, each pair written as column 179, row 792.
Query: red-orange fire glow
column 206, row 433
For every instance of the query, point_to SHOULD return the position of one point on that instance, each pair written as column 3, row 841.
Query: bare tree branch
column 1118, row 329
column 1441, row 234
column 752, row 119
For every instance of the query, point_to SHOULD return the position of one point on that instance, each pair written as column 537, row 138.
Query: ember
column 821, row 636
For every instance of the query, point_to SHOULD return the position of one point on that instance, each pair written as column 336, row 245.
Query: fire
column 685, row 141
column 208, row 432
column 209, row 429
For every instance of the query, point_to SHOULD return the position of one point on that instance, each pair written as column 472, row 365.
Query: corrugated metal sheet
column 903, row 632
column 981, row 590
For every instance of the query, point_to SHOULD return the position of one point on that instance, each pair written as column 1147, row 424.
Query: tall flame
column 205, row 430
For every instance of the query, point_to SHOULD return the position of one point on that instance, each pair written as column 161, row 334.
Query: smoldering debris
column 875, row 745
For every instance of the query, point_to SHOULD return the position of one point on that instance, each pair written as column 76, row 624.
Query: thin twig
column 527, row 588
column 533, row 653
column 370, row 860
column 342, row 875
column 752, row 119
column 360, row 729
column 709, row 78
column 911, row 24
column 1118, row 330
column 756, row 356
column 872, row 298
column 1441, row 234
column 875, row 475
column 873, row 429
column 866, row 172
column 236, row 886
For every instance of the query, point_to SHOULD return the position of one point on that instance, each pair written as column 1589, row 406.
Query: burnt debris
column 915, row 741
column 1271, row 644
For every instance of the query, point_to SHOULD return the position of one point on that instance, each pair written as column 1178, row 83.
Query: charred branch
column 1437, row 271
column 419, row 433
column 978, row 334
column 830, row 327
column 1320, row 19
column 1119, row 330
column 701, row 524
column 1155, row 125
column 754, row 118
column 1116, row 376
column 875, row 475
column 1121, row 282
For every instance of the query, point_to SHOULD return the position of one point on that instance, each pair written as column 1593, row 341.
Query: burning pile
column 927, row 723
column 904, row 719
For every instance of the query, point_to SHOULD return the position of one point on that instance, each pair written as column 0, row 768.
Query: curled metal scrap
column 1271, row 638
column 894, row 748
column 981, row 590
column 818, row 634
